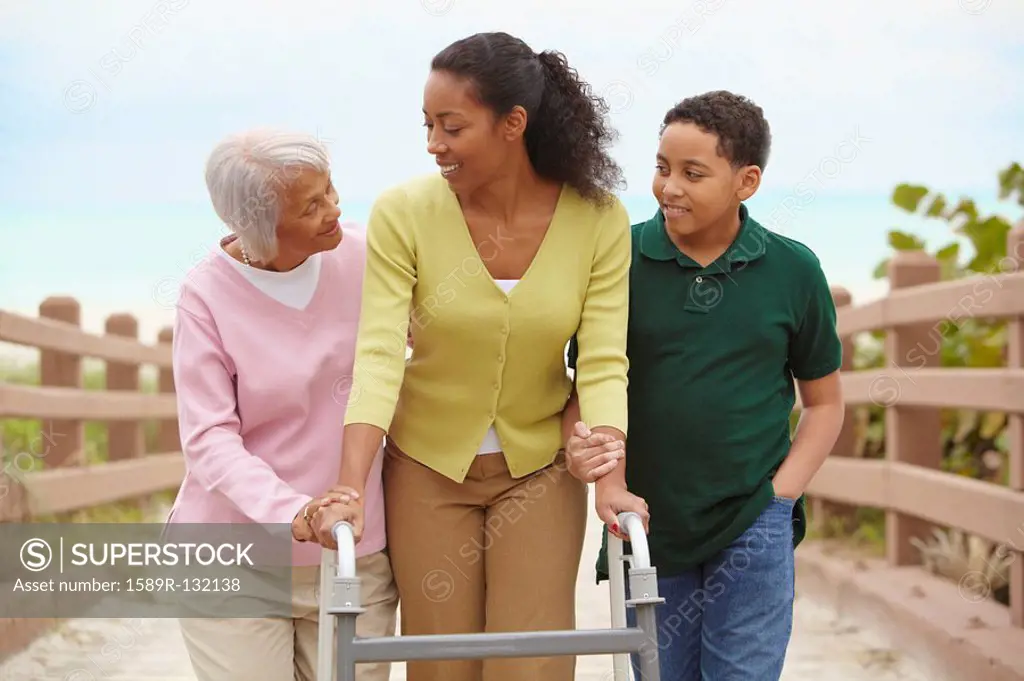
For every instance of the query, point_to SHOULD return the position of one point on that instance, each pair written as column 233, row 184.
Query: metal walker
column 340, row 649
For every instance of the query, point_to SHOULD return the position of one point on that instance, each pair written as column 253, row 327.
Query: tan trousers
column 492, row 554
column 286, row 650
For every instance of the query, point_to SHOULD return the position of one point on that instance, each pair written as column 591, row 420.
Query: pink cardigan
column 262, row 390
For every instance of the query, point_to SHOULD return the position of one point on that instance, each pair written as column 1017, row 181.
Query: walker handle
column 346, row 568
column 345, row 539
column 634, row 527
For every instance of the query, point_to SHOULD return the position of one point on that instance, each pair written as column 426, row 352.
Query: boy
column 724, row 315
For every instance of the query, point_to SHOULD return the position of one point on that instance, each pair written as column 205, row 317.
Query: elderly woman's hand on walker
column 304, row 523
column 325, row 517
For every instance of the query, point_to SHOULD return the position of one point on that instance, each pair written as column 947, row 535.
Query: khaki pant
column 492, row 554
column 286, row 650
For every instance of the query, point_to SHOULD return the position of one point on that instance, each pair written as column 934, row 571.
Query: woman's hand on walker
column 327, row 517
column 301, row 529
column 301, row 523
column 590, row 455
column 613, row 499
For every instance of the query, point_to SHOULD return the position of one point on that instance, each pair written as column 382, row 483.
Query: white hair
column 246, row 175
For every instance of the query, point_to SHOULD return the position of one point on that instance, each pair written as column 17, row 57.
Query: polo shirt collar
column 749, row 245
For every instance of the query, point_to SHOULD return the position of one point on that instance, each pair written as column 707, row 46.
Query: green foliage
column 902, row 241
column 986, row 233
column 865, row 530
column 1011, row 183
column 974, row 443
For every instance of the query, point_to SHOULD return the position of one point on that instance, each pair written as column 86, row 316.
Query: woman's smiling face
column 470, row 144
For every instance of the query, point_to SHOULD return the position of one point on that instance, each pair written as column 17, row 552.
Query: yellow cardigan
column 482, row 356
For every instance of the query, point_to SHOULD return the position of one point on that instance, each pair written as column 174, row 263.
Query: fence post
column 168, row 438
column 61, row 439
column 824, row 512
column 1015, row 423
column 912, row 434
column 124, row 438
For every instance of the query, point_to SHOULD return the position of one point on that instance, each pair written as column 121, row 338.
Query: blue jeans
column 730, row 619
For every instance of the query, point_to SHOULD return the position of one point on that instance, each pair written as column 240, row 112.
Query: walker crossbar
column 343, row 606
column 512, row 644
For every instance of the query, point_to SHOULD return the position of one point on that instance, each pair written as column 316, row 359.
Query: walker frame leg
column 643, row 591
column 617, row 596
column 345, row 606
column 325, row 645
column 346, row 636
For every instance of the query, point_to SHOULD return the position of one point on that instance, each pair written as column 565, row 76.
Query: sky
column 108, row 111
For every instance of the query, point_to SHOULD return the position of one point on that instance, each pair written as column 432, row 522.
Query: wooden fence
column 908, row 484
column 62, row 406
column 51, row 478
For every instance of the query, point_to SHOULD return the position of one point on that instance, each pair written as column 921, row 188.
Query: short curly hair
column 567, row 132
column 744, row 137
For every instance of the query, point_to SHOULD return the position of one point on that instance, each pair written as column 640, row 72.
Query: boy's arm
column 821, row 419
column 815, row 357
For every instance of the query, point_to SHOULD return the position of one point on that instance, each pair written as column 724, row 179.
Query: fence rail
column 52, row 477
column 55, row 478
column 908, row 484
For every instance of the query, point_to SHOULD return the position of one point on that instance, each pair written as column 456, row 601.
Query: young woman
column 494, row 263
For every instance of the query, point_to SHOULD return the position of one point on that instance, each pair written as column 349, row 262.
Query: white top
column 491, row 442
column 294, row 288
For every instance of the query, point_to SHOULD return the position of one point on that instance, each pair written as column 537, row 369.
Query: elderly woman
column 264, row 341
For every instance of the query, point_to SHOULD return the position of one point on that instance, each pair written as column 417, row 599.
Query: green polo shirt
column 713, row 352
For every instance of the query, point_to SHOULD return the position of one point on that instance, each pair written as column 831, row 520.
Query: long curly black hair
column 567, row 132
column 744, row 136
